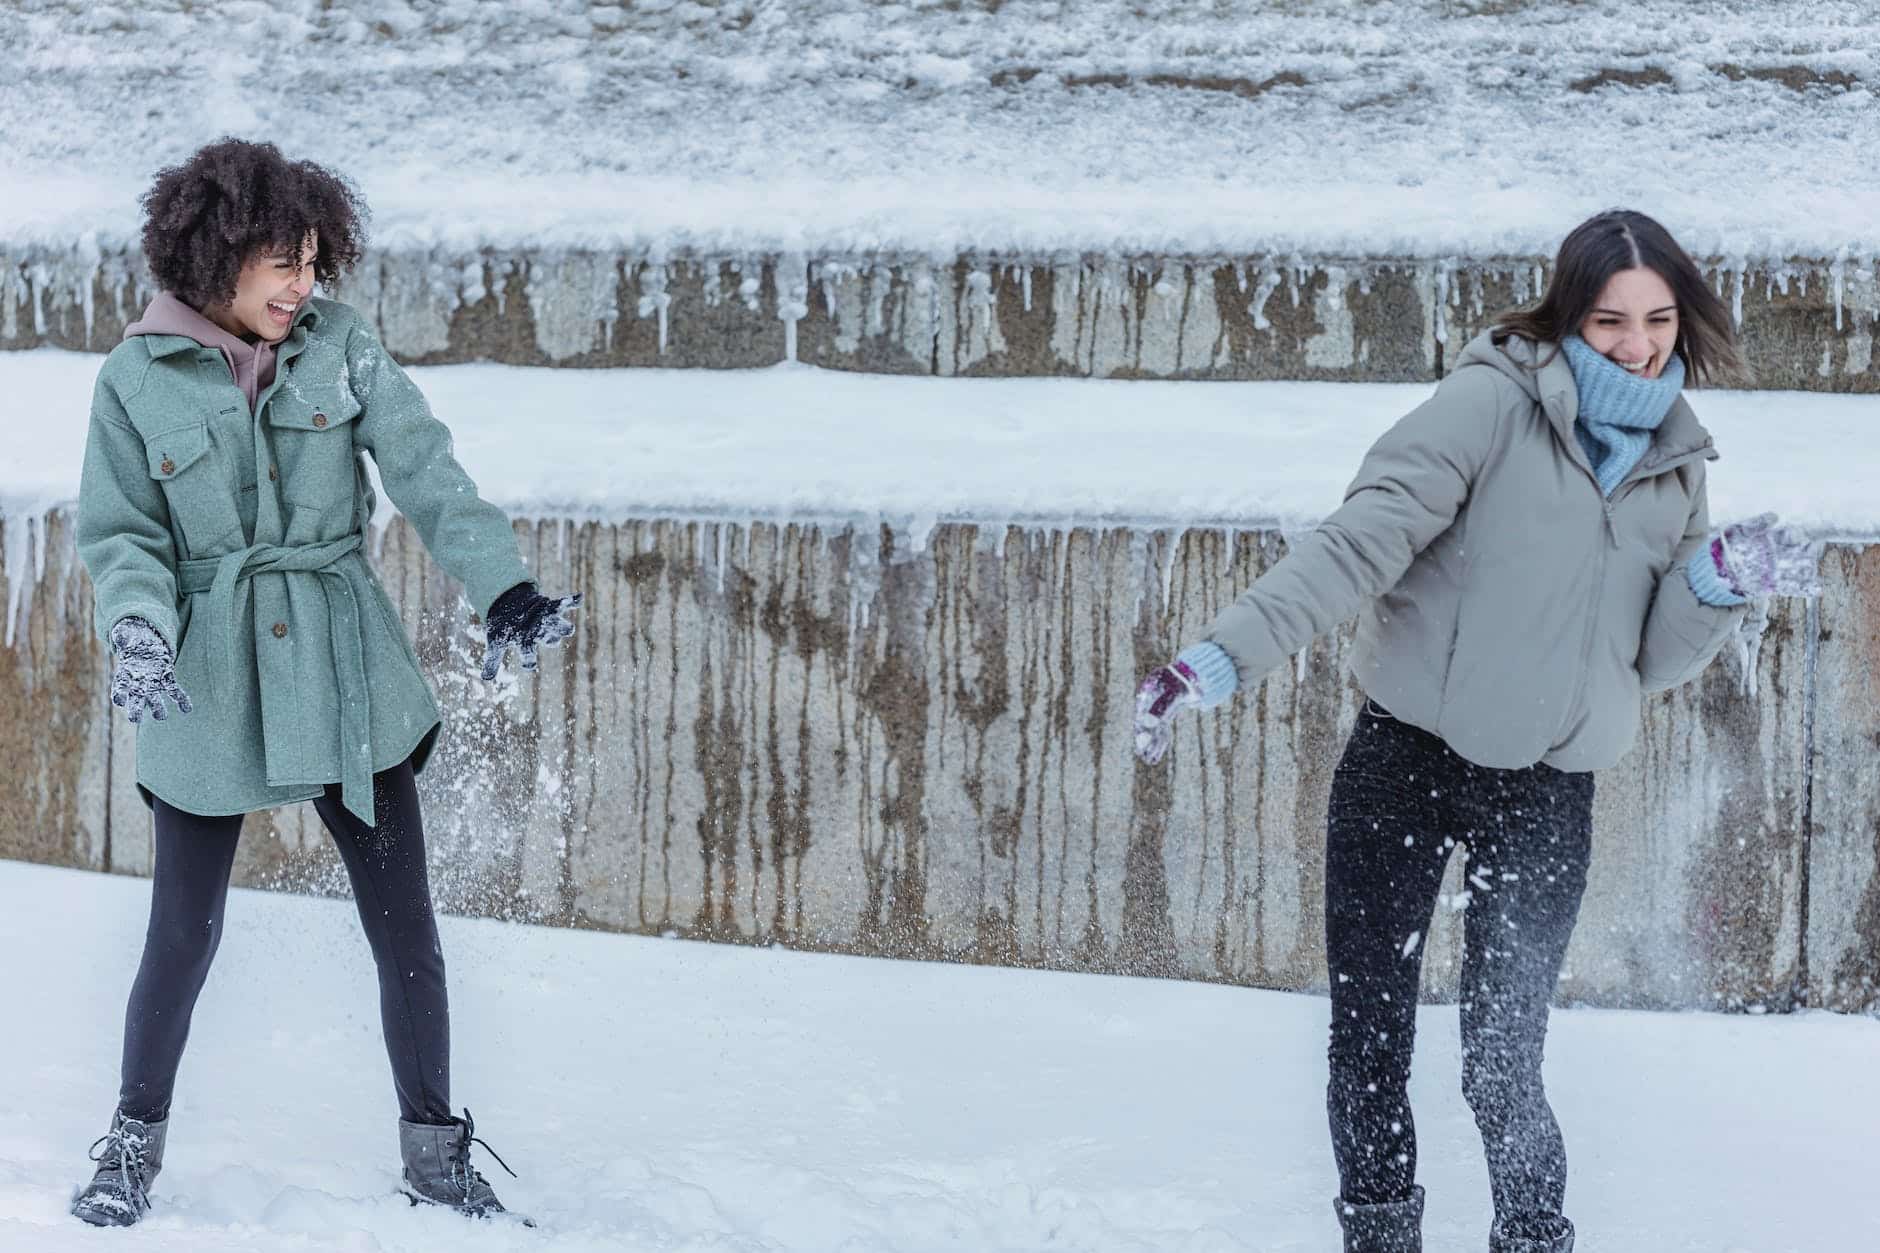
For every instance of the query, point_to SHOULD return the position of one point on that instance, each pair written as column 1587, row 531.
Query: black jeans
column 189, row 889
column 1401, row 800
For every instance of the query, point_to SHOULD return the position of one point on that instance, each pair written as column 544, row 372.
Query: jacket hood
column 251, row 364
column 1542, row 374
column 169, row 315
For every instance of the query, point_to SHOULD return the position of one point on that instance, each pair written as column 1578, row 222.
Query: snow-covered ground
column 677, row 1096
column 808, row 444
column 1423, row 128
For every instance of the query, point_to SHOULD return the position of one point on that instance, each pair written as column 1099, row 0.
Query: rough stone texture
column 917, row 744
column 1805, row 325
column 1844, row 837
column 53, row 732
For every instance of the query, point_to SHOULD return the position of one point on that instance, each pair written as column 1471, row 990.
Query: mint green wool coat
column 239, row 535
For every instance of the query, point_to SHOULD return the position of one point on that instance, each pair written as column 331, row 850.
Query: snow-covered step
column 1805, row 324
column 857, row 654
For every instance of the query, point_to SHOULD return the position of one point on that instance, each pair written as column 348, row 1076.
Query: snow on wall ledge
column 886, row 743
column 1806, row 325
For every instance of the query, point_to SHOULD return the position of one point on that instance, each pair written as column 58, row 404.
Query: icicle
column 1441, row 294
column 792, row 299
column 90, row 261
column 1736, row 297
column 1749, row 638
column 39, row 278
column 1269, row 283
column 1169, row 551
column 1838, row 272
column 20, row 546
column 919, row 531
column 722, row 527
column 1230, row 545
column 470, row 286
column 979, row 298
column 655, row 300
column 1024, row 281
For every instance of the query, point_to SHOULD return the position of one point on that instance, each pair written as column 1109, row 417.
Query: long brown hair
column 1621, row 239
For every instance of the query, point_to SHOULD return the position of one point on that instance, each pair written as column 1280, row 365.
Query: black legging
column 1401, row 800
column 188, row 891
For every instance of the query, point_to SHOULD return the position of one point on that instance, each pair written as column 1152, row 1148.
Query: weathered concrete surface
column 1844, row 835
column 1806, row 325
column 918, row 745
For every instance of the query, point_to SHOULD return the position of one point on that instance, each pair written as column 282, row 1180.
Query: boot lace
column 463, row 1175
column 122, row 1149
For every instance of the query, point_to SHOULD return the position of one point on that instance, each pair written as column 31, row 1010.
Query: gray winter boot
column 1394, row 1227
column 438, row 1170
column 1549, row 1233
column 129, row 1157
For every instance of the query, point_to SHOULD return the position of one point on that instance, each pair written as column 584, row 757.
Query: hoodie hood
column 251, row 364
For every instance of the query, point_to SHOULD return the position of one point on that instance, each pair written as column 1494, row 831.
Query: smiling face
column 1634, row 323
column 272, row 286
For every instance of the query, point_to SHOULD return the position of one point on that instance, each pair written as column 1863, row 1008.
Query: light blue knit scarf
column 1618, row 410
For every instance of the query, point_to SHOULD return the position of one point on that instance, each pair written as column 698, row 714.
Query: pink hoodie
column 251, row 364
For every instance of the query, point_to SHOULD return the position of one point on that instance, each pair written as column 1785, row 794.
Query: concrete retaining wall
column 918, row 745
column 1805, row 324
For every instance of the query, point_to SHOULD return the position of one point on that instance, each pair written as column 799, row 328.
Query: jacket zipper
column 1599, row 577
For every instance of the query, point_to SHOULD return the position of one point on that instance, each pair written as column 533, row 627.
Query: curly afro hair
column 204, row 219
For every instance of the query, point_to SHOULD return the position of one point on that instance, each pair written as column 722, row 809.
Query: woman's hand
column 1757, row 559
column 145, row 674
column 1161, row 696
column 523, row 619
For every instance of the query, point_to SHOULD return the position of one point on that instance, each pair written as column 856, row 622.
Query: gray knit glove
column 145, row 673
column 525, row 620
column 1757, row 558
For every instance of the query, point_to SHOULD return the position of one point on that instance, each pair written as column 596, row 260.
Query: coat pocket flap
column 173, row 451
column 293, row 413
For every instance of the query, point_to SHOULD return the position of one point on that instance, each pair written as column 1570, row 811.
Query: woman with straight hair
column 1529, row 552
column 221, row 516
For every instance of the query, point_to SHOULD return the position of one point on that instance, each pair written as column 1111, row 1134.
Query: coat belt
column 225, row 581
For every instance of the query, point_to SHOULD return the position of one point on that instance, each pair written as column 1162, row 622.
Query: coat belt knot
column 225, row 582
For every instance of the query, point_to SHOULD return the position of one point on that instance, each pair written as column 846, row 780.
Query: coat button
column 280, row 630
column 168, row 466
column 319, row 419
column 273, row 474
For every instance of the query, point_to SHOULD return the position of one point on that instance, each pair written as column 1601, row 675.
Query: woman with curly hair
column 1528, row 553
column 221, row 517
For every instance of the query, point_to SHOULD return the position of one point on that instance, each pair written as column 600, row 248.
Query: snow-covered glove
column 1162, row 695
column 1757, row 558
column 146, row 671
column 524, row 619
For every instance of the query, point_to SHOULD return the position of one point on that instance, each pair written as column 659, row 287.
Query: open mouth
column 1640, row 368
column 281, row 314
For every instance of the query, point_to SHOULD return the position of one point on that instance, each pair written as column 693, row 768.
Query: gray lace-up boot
column 1393, row 1227
column 1550, row 1233
column 438, row 1170
column 129, row 1157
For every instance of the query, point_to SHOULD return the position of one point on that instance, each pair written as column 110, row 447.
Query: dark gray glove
column 146, row 671
column 524, row 619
